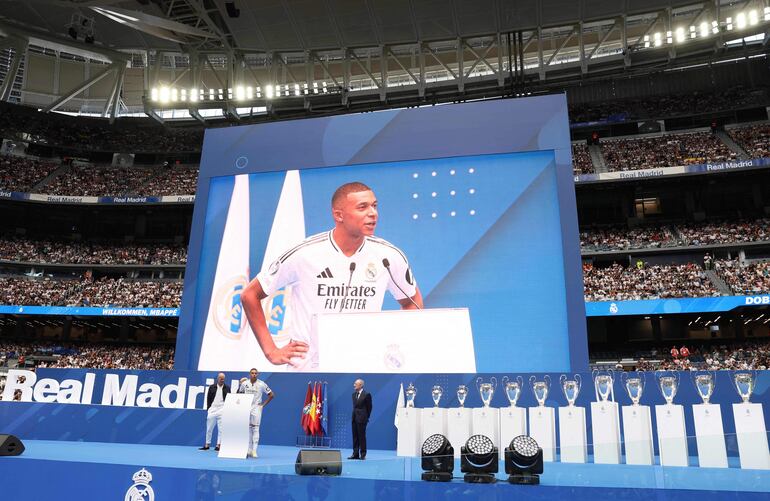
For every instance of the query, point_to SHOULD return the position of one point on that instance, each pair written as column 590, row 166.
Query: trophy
column 486, row 390
column 634, row 386
column 603, row 384
column 571, row 388
column 410, row 393
column 436, row 393
column 462, row 393
column 704, row 385
column 540, row 388
column 744, row 385
column 513, row 389
column 668, row 386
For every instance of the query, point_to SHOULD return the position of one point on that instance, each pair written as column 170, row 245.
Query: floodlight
column 479, row 460
column 438, row 459
column 524, row 461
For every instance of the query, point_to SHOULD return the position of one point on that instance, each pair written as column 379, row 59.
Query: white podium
column 408, row 442
column 710, row 436
column 513, row 422
column 672, row 436
column 235, row 426
column 605, row 432
column 486, row 421
column 572, row 434
column 637, row 434
column 542, row 427
column 433, row 421
column 752, row 436
column 458, row 427
column 396, row 342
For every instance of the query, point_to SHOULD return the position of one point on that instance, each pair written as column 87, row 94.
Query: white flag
column 399, row 404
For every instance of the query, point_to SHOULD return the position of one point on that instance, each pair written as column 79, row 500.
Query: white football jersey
column 257, row 388
column 323, row 280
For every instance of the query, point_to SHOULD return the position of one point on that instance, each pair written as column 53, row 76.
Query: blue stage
column 69, row 470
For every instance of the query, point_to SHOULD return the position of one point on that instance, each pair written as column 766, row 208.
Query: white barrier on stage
column 513, row 422
column 434, row 421
column 396, row 341
column 752, row 436
column 458, row 427
column 542, row 427
column 710, row 435
column 637, row 434
column 235, row 426
column 605, row 431
column 573, row 443
column 672, row 436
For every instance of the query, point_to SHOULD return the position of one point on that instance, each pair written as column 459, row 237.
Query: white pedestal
column 486, row 421
column 513, row 422
column 542, row 427
column 433, row 421
column 672, row 436
column 409, row 424
column 572, row 434
column 752, row 436
column 637, row 434
column 235, row 426
column 710, row 436
column 458, row 427
column 605, row 432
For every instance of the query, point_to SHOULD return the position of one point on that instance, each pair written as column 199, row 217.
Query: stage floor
column 578, row 480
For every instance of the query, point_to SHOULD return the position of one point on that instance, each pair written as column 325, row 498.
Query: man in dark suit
column 215, row 403
column 362, row 409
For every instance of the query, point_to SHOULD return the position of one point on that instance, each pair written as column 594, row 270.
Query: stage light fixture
column 524, row 461
column 438, row 459
column 479, row 460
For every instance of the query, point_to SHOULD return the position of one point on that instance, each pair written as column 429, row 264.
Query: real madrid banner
column 228, row 342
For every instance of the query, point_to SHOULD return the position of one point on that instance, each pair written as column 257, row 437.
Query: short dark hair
column 346, row 189
column 253, row 369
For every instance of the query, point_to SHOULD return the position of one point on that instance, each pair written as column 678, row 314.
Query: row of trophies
column 634, row 383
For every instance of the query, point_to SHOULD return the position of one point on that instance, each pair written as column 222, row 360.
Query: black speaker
column 10, row 445
column 318, row 462
column 232, row 10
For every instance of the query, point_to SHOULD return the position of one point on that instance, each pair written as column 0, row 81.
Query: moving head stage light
column 524, row 461
column 438, row 459
column 479, row 460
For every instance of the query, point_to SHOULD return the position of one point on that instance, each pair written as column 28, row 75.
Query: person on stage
column 215, row 403
column 256, row 387
column 346, row 269
column 362, row 409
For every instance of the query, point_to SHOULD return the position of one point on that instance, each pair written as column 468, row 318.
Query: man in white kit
column 345, row 269
column 215, row 403
column 256, row 387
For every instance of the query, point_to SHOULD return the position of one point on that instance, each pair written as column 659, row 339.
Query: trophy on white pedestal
column 605, row 419
column 410, row 394
column 750, row 425
column 513, row 420
column 637, row 421
column 486, row 420
column 462, row 394
column 709, row 432
column 542, row 419
column 672, row 436
column 435, row 394
column 459, row 420
column 434, row 420
column 572, row 423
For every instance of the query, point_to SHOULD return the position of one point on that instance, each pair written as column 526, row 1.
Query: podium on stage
column 396, row 341
column 235, row 426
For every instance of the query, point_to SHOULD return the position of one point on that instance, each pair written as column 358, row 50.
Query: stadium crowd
column 725, row 232
column 102, row 292
column 98, row 181
column 50, row 251
column 127, row 136
column 744, row 278
column 21, row 174
column 616, row 283
column 616, row 238
column 91, row 355
column 755, row 139
column 581, row 159
column 664, row 151
column 744, row 356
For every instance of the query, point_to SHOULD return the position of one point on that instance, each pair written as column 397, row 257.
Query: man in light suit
column 362, row 409
column 215, row 403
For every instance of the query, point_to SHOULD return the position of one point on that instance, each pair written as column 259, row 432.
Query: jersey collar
column 336, row 247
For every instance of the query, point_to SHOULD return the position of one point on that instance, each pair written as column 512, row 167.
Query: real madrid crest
column 227, row 310
column 370, row 272
column 394, row 357
column 141, row 490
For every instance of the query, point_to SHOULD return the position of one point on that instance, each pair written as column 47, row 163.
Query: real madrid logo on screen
column 141, row 490
column 370, row 272
column 276, row 308
column 228, row 311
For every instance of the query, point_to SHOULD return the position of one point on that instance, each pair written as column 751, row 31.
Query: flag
column 306, row 409
column 325, row 409
column 399, row 404
column 313, row 416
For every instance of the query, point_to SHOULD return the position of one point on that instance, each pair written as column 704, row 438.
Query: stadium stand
column 754, row 139
column 59, row 252
column 616, row 283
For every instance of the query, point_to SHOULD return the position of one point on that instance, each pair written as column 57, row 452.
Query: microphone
column 386, row 264
column 347, row 289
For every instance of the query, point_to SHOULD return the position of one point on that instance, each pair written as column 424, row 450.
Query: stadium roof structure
column 179, row 58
